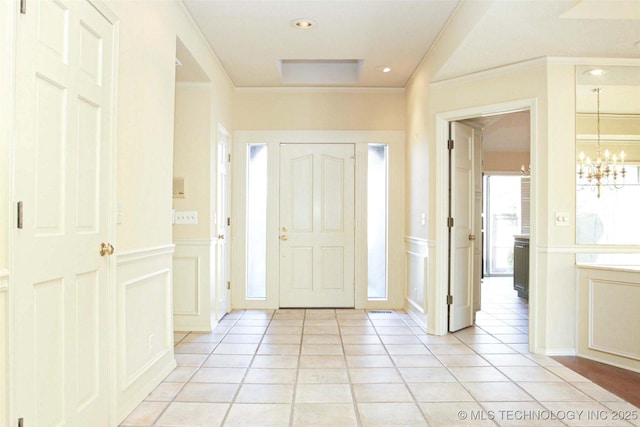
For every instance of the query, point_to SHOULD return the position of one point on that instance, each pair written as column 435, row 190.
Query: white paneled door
column 462, row 233
column 317, row 225
column 223, row 223
column 63, row 181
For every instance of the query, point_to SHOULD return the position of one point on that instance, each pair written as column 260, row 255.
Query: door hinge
column 449, row 299
column 450, row 222
column 228, row 221
column 20, row 422
column 450, row 144
column 23, row 7
column 229, row 157
column 19, row 215
column 228, row 285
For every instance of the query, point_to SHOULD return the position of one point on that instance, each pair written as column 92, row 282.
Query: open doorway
column 504, row 308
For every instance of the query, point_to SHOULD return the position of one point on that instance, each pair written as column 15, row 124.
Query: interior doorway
column 504, row 165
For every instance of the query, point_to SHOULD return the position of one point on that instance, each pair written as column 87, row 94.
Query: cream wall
column 319, row 109
column 193, row 157
column 504, row 161
column 145, row 124
column 553, row 124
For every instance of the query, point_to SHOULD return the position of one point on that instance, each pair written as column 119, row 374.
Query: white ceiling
column 250, row 37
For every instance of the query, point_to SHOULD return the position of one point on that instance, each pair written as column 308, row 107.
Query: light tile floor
column 367, row 368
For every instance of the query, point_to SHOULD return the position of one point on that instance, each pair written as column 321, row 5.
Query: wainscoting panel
column 4, row 335
column 608, row 321
column 417, row 277
column 144, row 324
column 194, row 285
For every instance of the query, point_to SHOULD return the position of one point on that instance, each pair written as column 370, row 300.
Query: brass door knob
column 284, row 237
column 472, row 237
column 106, row 249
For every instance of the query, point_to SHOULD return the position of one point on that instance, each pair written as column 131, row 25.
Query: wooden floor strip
column 621, row 382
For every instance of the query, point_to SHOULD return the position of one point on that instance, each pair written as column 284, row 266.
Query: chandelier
column 601, row 170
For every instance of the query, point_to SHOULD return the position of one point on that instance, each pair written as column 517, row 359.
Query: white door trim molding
column 439, row 325
column 273, row 139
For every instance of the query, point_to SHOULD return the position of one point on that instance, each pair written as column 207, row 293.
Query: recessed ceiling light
column 384, row 69
column 304, row 24
column 597, row 72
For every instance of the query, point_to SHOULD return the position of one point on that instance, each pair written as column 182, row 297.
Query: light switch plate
column 186, row 217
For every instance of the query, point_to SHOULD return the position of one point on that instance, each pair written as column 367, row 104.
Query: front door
column 317, row 225
column 462, row 237
column 63, row 179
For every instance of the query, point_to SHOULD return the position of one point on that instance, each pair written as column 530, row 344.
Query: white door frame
column 440, row 316
column 361, row 139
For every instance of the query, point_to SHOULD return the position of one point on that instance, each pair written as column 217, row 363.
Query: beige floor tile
column 310, row 361
column 543, row 360
column 365, row 349
column 323, row 376
column 439, row 349
column 624, row 410
column 321, row 339
column 509, row 360
column 371, row 361
column 596, row 392
column 228, row 361
column 513, row 338
column 388, row 322
column 477, row 374
column 438, row 339
column 353, row 321
column 181, row 374
column 420, row 350
column 287, row 323
column 483, row 348
column 258, row 314
column 381, row 393
column 145, row 414
column 567, row 374
column 479, row 338
column 219, row 375
column 524, row 414
column 321, row 330
column 529, row 373
column 265, row 393
column 321, row 322
column 242, row 339
column 179, row 336
column 400, row 339
column 321, row 349
column 519, row 348
column 444, row 414
column 253, row 322
column 187, row 414
column 374, row 375
column 320, row 314
column 592, row 414
column 194, row 348
column 282, row 339
column 236, row 349
column 256, row 414
column 196, row 337
column 394, row 330
column 407, row 361
column 360, row 339
column 358, row 330
column 190, row 359
column 282, row 349
column 284, row 330
column 427, row 375
column 165, row 392
column 323, row 393
column 463, row 360
column 439, row 392
column 207, row 392
column 247, row 330
column 271, row 376
column 497, row 391
column 275, row 361
column 390, row 414
column 553, row 391
column 324, row 415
